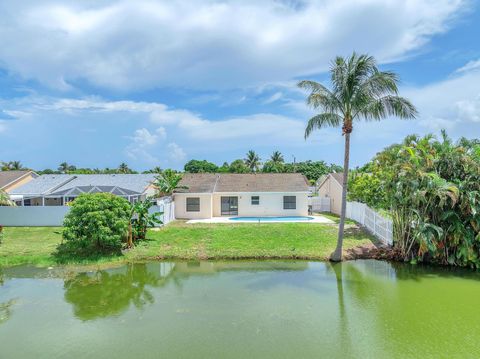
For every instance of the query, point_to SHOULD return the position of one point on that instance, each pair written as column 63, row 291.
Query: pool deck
column 316, row 219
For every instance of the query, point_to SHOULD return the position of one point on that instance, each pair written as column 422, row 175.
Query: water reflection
column 5, row 307
column 106, row 293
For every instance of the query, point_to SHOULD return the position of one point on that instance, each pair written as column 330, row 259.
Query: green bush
column 97, row 223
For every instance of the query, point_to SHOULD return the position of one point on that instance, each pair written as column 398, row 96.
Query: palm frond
column 389, row 106
column 322, row 120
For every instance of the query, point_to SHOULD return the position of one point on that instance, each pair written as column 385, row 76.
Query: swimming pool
column 272, row 219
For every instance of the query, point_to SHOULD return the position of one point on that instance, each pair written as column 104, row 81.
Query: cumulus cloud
column 453, row 103
column 176, row 152
column 125, row 45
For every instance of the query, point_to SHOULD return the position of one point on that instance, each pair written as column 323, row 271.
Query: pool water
column 273, row 219
column 240, row 309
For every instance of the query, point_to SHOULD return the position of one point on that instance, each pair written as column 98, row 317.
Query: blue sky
column 96, row 83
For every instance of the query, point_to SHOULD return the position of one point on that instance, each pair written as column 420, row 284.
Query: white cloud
column 453, row 103
column 275, row 97
column 176, row 152
column 144, row 137
column 469, row 66
column 127, row 45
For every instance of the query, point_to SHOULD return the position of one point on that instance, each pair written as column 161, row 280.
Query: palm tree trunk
column 337, row 255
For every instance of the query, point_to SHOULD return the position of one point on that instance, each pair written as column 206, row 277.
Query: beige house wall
column 330, row 188
column 20, row 182
column 271, row 204
column 181, row 206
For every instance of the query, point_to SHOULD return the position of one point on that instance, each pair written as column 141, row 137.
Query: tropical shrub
column 5, row 199
column 97, row 222
column 432, row 189
column 167, row 182
column 143, row 219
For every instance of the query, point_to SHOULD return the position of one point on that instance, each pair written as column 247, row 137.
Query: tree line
column 252, row 163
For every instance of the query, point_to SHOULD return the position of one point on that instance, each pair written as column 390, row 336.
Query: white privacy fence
column 378, row 225
column 319, row 204
column 167, row 206
column 48, row 216
column 53, row 216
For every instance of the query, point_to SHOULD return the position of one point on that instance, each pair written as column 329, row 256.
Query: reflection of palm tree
column 6, row 310
column 346, row 344
column 105, row 294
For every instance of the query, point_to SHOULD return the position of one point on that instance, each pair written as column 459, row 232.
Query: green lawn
column 179, row 240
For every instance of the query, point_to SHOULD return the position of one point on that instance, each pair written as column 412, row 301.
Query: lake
column 237, row 309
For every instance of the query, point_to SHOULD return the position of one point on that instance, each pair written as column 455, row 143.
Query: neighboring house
column 331, row 187
column 59, row 189
column 210, row 195
column 10, row 180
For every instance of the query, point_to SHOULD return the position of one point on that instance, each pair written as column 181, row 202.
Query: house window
column 255, row 200
column 193, row 204
column 289, row 202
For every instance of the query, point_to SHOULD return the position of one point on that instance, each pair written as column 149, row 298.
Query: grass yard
column 179, row 240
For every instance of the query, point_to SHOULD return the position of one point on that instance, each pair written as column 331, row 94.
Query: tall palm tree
column 64, row 167
column 15, row 165
column 252, row 161
column 359, row 91
column 12, row 166
column 123, row 168
column 276, row 158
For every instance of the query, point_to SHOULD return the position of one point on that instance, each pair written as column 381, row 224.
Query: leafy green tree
column 12, row 166
column 97, row 223
column 252, row 161
column 238, row 166
column 167, row 182
column 368, row 189
column 225, row 168
column 64, row 167
column 272, row 167
column 197, row 166
column 124, row 169
column 359, row 91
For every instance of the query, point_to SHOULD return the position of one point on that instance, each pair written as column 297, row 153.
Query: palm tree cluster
column 12, row 166
column 359, row 90
column 432, row 189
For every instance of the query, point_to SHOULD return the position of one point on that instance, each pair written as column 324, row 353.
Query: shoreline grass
column 182, row 241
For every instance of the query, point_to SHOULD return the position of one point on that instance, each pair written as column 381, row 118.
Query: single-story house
column 59, row 189
column 331, row 187
column 207, row 195
column 10, row 180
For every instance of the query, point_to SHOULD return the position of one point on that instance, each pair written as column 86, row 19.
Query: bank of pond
column 237, row 309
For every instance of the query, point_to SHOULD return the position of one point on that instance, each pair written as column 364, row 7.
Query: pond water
column 362, row 309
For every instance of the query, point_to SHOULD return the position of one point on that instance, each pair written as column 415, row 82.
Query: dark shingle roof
column 232, row 182
column 7, row 177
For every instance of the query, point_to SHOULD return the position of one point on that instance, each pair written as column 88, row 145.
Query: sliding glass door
column 229, row 206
